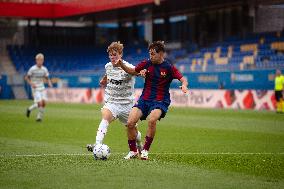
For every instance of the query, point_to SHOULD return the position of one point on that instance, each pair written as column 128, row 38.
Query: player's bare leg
column 133, row 118
column 153, row 118
column 107, row 118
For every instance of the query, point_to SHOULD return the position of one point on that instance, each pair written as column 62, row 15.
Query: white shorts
column 120, row 111
column 39, row 95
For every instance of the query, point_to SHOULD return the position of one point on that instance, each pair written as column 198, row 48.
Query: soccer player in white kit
column 119, row 95
column 35, row 77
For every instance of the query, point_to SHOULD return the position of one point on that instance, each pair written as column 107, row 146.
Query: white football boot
column 144, row 155
column 131, row 155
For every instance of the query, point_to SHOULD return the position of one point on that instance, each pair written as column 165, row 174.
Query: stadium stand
column 256, row 51
column 64, row 60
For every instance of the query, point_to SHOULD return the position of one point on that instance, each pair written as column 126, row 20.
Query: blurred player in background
column 119, row 95
column 278, row 87
column 155, row 98
column 35, row 77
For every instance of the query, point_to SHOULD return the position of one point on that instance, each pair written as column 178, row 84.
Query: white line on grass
column 219, row 153
column 164, row 153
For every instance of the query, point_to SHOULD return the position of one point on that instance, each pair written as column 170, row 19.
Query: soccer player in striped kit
column 119, row 95
column 35, row 77
column 155, row 98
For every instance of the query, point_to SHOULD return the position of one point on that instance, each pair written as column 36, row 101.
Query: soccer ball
column 101, row 151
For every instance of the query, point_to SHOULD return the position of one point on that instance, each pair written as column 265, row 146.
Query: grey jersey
column 120, row 85
column 37, row 76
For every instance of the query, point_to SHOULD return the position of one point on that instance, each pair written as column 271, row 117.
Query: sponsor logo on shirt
column 163, row 74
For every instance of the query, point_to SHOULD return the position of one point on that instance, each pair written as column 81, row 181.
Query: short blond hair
column 39, row 55
column 115, row 46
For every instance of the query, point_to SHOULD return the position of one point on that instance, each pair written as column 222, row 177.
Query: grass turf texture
column 193, row 148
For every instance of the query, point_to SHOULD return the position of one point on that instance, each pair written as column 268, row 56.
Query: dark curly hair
column 158, row 46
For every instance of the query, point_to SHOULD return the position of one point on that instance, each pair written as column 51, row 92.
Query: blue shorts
column 146, row 106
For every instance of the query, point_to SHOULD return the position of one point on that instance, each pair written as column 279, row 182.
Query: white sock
column 138, row 139
column 102, row 130
column 40, row 113
column 33, row 106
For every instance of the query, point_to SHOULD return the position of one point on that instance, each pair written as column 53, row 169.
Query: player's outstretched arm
column 184, row 85
column 126, row 68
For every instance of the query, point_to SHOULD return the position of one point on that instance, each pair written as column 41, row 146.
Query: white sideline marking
column 165, row 153
column 219, row 153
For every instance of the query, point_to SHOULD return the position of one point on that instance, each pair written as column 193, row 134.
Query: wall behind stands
column 269, row 18
column 5, row 89
column 261, row 79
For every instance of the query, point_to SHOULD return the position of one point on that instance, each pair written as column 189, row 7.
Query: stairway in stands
column 14, row 78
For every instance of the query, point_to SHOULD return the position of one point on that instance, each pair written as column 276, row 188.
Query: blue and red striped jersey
column 158, row 80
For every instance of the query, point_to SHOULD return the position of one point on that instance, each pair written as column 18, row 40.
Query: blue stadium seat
column 61, row 59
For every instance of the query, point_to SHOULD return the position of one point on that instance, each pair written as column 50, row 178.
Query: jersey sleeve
column 176, row 74
column 141, row 66
column 46, row 73
column 30, row 72
column 106, row 66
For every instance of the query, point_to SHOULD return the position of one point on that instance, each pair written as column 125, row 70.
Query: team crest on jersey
column 163, row 74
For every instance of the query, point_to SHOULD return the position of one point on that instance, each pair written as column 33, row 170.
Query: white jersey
column 37, row 76
column 120, row 85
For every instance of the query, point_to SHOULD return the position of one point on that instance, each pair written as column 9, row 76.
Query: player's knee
column 131, row 124
column 152, row 122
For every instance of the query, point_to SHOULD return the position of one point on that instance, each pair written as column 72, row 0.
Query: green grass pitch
column 193, row 148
